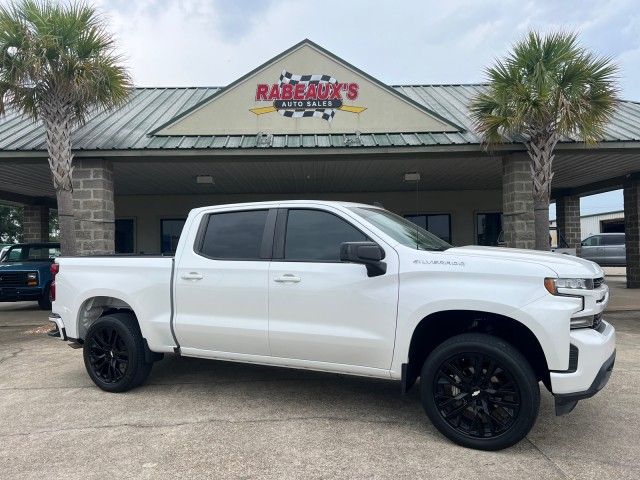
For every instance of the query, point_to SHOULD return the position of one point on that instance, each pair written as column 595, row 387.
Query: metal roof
column 129, row 127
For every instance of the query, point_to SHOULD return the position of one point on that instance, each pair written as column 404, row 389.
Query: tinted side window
column 314, row 235
column 234, row 235
column 613, row 240
column 592, row 241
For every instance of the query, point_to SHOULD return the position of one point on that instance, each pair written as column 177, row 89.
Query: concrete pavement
column 208, row 419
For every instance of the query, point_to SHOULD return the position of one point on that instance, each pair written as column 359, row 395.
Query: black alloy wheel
column 476, row 395
column 108, row 355
column 480, row 391
column 116, row 355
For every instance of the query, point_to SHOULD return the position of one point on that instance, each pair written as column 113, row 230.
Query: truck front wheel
column 480, row 392
column 44, row 302
column 114, row 353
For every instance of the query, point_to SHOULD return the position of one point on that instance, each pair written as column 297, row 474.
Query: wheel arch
column 95, row 307
column 439, row 326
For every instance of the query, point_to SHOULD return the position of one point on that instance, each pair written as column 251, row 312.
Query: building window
column 234, row 235
column 170, row 230
column 124, row 235
column 488, row 228
column 439, row 224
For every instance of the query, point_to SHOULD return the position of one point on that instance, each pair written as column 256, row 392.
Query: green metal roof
column 130, row 127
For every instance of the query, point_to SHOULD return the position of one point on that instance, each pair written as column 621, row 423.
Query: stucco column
column 568, row 220
column 93, row 206
column 632, row 231
column 517, row 202
column 35, row 224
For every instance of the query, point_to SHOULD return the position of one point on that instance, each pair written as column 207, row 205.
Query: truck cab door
column 322, row 309
column 221, row 284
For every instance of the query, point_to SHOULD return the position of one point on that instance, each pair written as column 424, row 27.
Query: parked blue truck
column 25, row 273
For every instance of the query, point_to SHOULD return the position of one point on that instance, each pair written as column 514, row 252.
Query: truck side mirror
column 369, row 254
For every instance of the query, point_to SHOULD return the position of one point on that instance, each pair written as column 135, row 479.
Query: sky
column 213, row 42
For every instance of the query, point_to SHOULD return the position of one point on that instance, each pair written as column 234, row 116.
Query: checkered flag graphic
column 324, row 113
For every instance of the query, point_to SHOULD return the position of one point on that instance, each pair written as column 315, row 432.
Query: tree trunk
column 66, row 222
column 540, row 150
column 57, row 116
column 541, row 222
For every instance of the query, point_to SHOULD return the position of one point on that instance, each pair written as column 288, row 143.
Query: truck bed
column 85, row 284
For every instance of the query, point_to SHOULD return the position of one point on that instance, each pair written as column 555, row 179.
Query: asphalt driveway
column 206, row 419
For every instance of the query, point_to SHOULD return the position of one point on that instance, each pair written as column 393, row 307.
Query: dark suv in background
column 606, row 249
column 25, row 272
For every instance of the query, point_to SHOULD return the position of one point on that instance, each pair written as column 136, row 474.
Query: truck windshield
column 401, row 229
column 30, row 253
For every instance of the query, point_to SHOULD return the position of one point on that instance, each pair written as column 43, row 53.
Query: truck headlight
column 553, row 284
column 32, row 279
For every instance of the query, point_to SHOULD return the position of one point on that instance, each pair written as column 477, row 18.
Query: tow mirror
column 369, row 254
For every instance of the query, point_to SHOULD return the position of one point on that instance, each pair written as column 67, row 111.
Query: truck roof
column 276, row 202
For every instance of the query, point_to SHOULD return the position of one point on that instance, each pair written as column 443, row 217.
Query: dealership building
column 307, row 124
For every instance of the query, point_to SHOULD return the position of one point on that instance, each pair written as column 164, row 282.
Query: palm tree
column 548, row 88
column 57, row 63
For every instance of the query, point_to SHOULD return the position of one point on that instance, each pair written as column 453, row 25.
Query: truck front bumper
column 20, row 294
column 596, row 356
column 567, row 402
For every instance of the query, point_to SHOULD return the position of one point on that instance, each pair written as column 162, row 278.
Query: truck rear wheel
column 480, row 392
column 114, row 353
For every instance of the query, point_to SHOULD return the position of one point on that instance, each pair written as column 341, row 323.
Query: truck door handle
column 287, row 278
column 192, row 276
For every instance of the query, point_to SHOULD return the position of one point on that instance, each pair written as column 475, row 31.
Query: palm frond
column 62, row 51
column 548, row 83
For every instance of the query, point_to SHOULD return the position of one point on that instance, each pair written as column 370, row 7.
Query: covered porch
column 136, row 200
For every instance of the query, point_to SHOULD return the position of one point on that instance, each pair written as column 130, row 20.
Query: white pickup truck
column 352, row 289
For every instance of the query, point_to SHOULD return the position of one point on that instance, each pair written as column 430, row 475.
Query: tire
column 487, row 408
column 44, row 302
column 116, row 339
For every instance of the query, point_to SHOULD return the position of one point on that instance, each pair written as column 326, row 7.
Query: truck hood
column 563, row 265
column 25, row 266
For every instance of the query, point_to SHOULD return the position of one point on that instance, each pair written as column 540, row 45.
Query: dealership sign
column 299, row 96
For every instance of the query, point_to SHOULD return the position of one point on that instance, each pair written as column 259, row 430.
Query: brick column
column 517, row 202
column 93, row 206
column 632, row 231
column 35, row 224
column 568, row 220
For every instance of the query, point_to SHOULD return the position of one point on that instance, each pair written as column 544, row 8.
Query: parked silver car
column 605, row 249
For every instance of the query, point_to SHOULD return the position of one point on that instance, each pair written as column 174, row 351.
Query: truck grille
column 597, row 282
column 13, row 279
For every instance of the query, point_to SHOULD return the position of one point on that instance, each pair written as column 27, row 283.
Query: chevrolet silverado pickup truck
column 351, row 289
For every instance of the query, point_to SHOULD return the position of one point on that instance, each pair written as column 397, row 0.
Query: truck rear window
column 234, row 235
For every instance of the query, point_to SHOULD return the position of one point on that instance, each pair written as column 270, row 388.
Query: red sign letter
column 323, row 91
column 335, row 91
column 261, row 92
column 298, row 91
column 287, row 91
column 311, row 92
column 352, row 92
column 274, row 94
